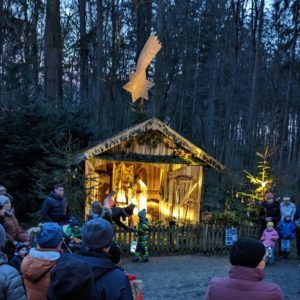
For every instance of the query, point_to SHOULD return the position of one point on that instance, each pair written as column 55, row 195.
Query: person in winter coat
column 11, row 286
column 40, row 261
column 269, row 237
column 122, row 212
column 90, row 274
column 245, row 281
column 99, row 211
column 287, row 208
column 270, row 211
column 55, row 207
column 20, row 253
column 286, row 229
column 10, row 223
column 141, row 253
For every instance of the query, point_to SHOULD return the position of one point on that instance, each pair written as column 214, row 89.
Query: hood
column 75, row 275
column 244, row 273
column 99, row 261
column 37, row 263
column 3, row 258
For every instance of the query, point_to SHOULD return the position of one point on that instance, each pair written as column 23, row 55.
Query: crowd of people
column 279, row 221
column 61, row 260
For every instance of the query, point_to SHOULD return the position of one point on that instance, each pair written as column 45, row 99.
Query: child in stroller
column 72, row 234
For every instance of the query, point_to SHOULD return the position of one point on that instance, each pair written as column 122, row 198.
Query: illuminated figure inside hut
column 140, row 193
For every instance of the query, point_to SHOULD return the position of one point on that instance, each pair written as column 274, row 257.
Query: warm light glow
column 264, row 184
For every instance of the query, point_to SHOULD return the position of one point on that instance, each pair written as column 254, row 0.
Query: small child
column 269, row 237
column 20, row 253
column 73, row 233
column 286, row 229
column 141, row 253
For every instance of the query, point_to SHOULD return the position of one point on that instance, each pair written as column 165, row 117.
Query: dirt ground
column 187, row 277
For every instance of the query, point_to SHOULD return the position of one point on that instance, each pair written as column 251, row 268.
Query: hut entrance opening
column 167, row 191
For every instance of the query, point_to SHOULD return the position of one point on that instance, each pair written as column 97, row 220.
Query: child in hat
column 38, row 264
column 73, row 233
column 286, row 229
column 269, row 237
column 20, row 253
column 141, row 253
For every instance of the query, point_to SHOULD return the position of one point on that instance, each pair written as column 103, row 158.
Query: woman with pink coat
column 269, row 237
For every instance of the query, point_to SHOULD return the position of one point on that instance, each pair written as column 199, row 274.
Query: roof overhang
column 153, row 124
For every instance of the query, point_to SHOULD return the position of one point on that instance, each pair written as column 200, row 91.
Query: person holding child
column 269, row 237
column 14, row 232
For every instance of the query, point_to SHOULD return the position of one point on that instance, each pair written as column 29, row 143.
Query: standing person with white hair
column 287, row 208
column 11, row 286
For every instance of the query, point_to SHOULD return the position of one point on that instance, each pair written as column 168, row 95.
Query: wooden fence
column 202, row 238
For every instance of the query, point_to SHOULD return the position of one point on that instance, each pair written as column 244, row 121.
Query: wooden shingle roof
column 154, row 124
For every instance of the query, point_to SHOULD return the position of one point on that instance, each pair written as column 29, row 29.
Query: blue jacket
column 55, row 209
column 11, row 286
column 88, row 275
column 286, row 230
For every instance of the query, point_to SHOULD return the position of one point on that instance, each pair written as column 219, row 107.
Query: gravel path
column 187, row 277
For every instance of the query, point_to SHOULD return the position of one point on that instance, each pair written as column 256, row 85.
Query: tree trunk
column 34, row 49
column 83, row 52
column 53, row 54
column 256, row 67
column 1, row 48
column 100, row 92
column 283, row 142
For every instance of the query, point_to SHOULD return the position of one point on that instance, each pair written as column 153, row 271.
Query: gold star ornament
column 138, row 84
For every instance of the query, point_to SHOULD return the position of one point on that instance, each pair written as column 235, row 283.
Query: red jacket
column 243, row 284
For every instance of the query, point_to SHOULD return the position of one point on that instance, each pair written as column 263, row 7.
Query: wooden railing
column 202, row 238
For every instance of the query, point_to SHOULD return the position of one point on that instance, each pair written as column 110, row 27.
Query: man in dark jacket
column 55, row 207
column 90, row 273
column 246, row 275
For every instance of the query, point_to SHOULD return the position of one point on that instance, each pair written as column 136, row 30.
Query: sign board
column 230, row 236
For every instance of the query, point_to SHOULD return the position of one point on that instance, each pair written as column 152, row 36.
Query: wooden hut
column 152, row 166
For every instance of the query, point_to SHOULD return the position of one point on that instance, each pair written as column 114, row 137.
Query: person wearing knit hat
column 11, row 286
column 287, row 208
column 269, row 211
column 246, row 275
column 20, row 253
column 141, row 253
column 11, row 225
column 38, row 264
column 97, row 234
column 73, row 234
column 90, row 273
column 268, row 238
column 286, row 230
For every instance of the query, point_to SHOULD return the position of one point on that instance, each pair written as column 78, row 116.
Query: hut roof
column 153, row 124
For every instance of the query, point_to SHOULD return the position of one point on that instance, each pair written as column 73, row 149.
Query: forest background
column 227, row 78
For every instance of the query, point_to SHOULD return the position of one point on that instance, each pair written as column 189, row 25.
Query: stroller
column 72, row 236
